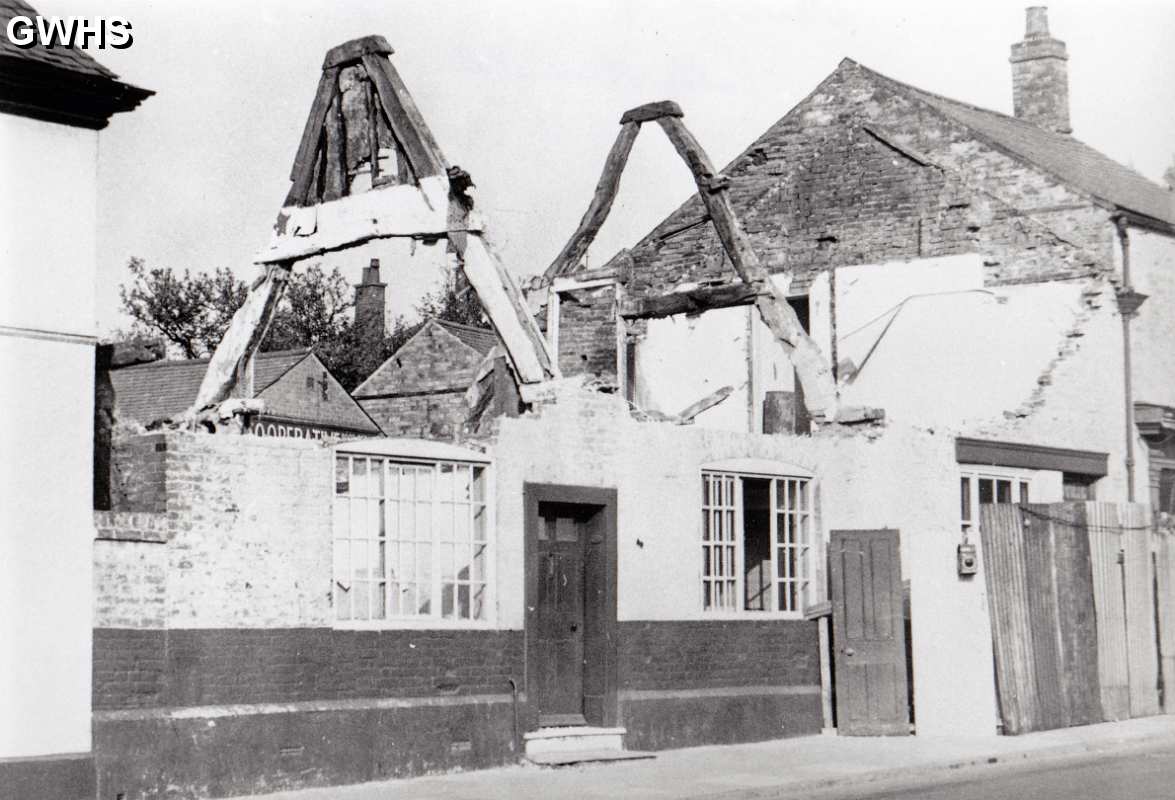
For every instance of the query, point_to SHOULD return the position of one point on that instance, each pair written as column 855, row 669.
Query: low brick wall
column 234, row 666
column 717, row 682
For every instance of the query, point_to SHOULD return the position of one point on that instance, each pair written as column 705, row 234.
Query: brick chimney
column 1040, row 75
column 369, row 302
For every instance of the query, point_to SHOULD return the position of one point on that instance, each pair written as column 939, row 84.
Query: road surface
column 1135, row 775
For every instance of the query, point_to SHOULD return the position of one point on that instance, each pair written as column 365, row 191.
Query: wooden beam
column 694, row 301
column 504, row 305
column 302, row 173
column 245, row 332
column 355, row 50
column 405, row 118
column 811, row 366
column 334, row 184
column 707, row 402
column 601, row 204
column 651, row 111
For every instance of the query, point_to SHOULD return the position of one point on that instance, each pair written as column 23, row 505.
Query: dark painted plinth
column 663, row 724
column 60, row 777
column 258, row 753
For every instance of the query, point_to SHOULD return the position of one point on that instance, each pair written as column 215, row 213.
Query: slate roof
column 72, row 59
column 480, row 339
column 162, row 389
column 1069, row 159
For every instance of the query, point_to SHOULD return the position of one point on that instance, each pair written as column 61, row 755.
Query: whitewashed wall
column 47, row 264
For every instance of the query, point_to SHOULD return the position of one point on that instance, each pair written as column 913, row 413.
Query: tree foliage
column 192, row 311
column 1169, row 175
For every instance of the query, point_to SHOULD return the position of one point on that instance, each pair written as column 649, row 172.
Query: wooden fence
column 1082, row 602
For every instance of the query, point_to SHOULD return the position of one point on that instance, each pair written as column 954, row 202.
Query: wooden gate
column 1043, row 620
column 868, row 627
column 1082, row 612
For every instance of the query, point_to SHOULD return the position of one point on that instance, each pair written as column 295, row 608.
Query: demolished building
column 660, row 526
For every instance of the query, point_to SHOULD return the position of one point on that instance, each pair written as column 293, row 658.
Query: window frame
column 1021, row 480
column 806, row 581
column 434, row 620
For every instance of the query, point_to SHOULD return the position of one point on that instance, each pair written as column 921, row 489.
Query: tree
column 192, row 311
column 1169, row 175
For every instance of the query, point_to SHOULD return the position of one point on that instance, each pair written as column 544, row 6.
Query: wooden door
column 560, row 614
column 869, row 632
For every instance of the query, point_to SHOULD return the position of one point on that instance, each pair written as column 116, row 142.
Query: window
column 984, row 485
column 411, row 539
column 756, row 541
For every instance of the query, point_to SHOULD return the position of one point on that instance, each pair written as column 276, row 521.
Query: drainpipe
column 1128, row 304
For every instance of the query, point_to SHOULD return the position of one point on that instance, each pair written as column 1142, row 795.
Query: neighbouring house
column 53, row 104
column 303, row 400
column 592, row 573
column 420, row 390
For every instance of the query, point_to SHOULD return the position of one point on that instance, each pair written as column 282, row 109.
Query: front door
column 869, row 631
column 571, row 605
column 559, row 629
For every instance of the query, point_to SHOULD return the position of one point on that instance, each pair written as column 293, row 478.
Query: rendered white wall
column 46, row 534
column 47, row 268
column 904, row 478
column 1152, row 271
column 48, row 210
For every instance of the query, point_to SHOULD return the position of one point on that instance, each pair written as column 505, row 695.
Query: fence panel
column 1165, row 552
column 1140, row 611
column 1007, row 592
column 1044, row 623
column 1109, row 595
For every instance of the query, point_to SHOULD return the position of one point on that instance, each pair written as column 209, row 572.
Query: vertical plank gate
column 1044, row 628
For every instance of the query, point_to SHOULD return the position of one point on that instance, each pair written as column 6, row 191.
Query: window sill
column 409, row 624
column 751, row 616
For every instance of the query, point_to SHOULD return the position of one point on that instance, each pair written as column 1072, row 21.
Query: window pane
column 986, row 491
column 479, row 602
column 1003, row 491
column 342, row 475
column 1023, row 491
column 359, row 476
column 965, row 498
column 479, row 481
column 479, row 563
column 445, row 482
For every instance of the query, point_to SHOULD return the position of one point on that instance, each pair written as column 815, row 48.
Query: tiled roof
column 149, row 392
column 480, row 339
column 1073, row 161
column 72, row 59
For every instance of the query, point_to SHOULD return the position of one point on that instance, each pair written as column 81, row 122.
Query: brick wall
column 186, row 667
column 432, row 360
column 855, row 175
column 711, row 653
column 438, row 415
column 587, row 333
column 138, row 472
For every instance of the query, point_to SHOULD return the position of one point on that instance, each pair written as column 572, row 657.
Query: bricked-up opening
column 756, row 543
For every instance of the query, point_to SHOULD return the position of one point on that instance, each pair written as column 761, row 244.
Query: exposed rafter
column 812, row 367
column 367, row 167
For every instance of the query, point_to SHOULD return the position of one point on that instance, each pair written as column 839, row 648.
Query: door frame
column 605, row 500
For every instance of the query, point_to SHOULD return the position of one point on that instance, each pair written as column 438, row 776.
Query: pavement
column 781, row 768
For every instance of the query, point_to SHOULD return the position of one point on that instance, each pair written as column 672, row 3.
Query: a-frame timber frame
column 368, row 168
column 813, row 369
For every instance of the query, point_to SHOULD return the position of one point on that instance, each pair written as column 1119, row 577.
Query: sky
column 527, row 96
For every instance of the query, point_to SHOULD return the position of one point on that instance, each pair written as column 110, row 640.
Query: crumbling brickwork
column 863, row 171
column 587, row 333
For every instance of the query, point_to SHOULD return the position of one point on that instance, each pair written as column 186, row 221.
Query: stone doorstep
column 587, row 757
column 576, row 739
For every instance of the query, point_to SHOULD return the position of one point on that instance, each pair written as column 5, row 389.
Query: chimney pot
column 1038, row 21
